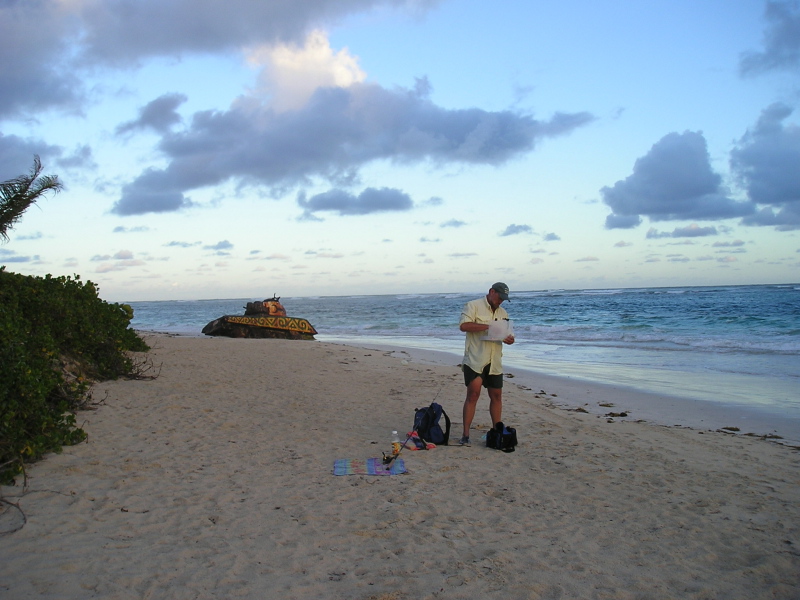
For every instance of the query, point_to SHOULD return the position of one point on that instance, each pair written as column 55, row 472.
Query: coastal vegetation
column 56, row 337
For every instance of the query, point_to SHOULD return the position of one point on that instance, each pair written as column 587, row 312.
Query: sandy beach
column 215, row 480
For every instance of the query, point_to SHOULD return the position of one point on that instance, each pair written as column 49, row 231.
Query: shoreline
column 639, row 405
column 573, row 393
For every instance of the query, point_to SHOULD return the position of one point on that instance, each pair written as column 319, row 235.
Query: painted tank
column 265, row 319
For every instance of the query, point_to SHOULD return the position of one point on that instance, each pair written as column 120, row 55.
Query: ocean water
column 728, row 345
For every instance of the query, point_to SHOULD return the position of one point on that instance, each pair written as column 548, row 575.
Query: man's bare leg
column 496, row 405
column 471, row 402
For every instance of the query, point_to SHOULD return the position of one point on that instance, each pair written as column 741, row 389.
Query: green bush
column 56, row 337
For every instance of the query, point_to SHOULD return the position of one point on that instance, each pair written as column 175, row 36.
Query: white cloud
column 291, row 73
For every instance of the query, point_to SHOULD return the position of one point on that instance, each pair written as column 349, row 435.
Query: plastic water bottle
column 396, row 445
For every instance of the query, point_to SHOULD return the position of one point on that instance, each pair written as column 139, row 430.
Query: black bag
column 426, row 424
column 502, row 438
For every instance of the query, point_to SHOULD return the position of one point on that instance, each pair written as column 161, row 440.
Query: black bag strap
column 447, row 428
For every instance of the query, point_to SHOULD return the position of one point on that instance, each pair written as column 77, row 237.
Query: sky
column 242, row 149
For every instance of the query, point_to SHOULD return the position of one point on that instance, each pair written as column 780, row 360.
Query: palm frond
column 20, row 193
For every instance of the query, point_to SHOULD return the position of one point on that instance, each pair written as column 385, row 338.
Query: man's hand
column 509, row 340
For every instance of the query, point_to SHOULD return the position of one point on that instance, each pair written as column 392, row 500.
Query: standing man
column 486, row 326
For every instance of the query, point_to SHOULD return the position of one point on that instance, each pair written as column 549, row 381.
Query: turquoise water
column 729, row 345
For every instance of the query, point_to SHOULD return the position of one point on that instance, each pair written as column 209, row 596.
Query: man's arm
column 471, row 327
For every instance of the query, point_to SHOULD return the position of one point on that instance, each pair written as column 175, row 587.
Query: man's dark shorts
column 489, row 381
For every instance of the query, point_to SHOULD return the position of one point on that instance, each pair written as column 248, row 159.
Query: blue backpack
column 426, row 424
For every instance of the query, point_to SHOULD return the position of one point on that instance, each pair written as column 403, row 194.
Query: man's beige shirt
column 477, row 351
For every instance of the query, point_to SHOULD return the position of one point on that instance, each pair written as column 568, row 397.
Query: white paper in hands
column 498, row 331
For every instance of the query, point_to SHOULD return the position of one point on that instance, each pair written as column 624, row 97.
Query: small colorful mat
column 371, row 466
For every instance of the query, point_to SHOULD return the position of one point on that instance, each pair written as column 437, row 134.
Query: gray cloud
column 672, row 181
column 781, row 41
column 694, row 231
column 453, row 223
column 80, row 158
column 176, row 244
column 9, row 256
column 655, row 234
column 52, row 41
column 552, row 237
column 122, row 229
column 125, row 32
column 514, row 229
column 689, row 231
column 152, row 191
column 223, row 245
column 35, row 34
column 766, row 163
column 55, row 43
column 336, row 133
column 371, row 200
column 622, row 221
column 20, row 259
column 34, row 236
column 159, row 115
column 786, row 219
column 16, row 155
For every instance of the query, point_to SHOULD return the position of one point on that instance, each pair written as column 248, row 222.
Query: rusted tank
column 265, row 319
